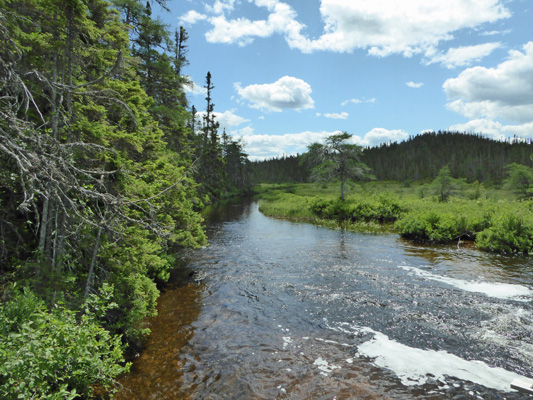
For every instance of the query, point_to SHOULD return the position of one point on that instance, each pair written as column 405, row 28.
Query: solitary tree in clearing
column 337, row 161
column 445, row 185
column 520, row 180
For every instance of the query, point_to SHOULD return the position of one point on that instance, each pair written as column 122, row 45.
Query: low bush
column 433, row 222
column 56, row 354
column 384, row 207
column 509, row 233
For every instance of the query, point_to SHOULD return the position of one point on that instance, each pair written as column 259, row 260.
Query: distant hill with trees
column 470, row 156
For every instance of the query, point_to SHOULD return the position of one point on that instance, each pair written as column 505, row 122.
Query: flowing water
column 293, row 311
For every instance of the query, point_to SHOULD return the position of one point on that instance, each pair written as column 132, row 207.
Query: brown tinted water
column 293, row 311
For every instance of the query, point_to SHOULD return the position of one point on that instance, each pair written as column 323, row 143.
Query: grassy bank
column 489, row 216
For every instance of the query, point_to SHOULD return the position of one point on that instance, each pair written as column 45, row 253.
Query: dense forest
column 281, row 169
column 470, row 156
column 104, row 167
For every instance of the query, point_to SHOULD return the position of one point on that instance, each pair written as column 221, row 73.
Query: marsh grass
column 488, row 215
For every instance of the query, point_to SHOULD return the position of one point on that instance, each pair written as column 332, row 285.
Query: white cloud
column 267, row 146
column 414, row 85
column 343, row 115
column 462, row 56
column 240, row 31
column 492, row 33
column 191, row 17
column 386, row 27
column 357, row 101
column 378, row 136
column 485, row 126
column 260, row 147
column 282, row 19
column 382, row 27
column 227, row 119
column 494, row 129
column 220, row 7
column 503, row 92
column 195, row 89
column 286, row 93
column 239, row 133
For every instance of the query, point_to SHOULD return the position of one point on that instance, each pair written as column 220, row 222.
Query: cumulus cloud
column 227, row 119
column 386, row 27
column 503, row 92
column 494, row 129
column 239, row 133
column 343, row 115
column 260, row 147
column 378, row 136
column 282, row 19
column 191, row 17
column 286, row 93
column 462, row 56
column 382, row 27
column 485, row 126
column 195, row 89
column 414, row 85
column 221, row 6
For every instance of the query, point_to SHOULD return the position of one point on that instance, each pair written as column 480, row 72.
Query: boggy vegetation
column 492, row 218
column 442, row 208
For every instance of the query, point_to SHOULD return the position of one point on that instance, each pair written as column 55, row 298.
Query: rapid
column 273, row 309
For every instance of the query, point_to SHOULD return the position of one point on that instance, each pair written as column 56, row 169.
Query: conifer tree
column 337, row 161
column 181, row 38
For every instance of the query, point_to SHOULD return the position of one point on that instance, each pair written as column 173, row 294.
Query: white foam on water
column 506, row 291
column 413, row 366
column 324, row 367
column 510, row 327
column 286, row 341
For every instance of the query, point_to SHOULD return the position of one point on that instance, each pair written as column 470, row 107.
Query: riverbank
column 489, row 216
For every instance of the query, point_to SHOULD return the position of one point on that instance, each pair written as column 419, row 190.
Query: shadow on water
column 157, row 370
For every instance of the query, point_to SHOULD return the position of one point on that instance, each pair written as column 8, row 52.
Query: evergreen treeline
column 279, row 170
column 470, row 156
column 103, row 169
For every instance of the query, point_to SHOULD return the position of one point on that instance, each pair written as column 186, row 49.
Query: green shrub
column 509, row 233
column 443, row 222
column 318, row 206
column 384, row 207
column 388, row 207
column 55, row 354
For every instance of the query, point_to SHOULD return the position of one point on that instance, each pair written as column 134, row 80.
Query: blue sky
column 291, row 72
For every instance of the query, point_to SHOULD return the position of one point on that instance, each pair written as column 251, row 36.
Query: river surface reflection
column 293, row 311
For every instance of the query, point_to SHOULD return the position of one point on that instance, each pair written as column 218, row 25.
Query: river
column 293, row 311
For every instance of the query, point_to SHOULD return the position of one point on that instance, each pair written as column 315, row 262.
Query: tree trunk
column 59, row 240
column 90, row 275
column 43, row 228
